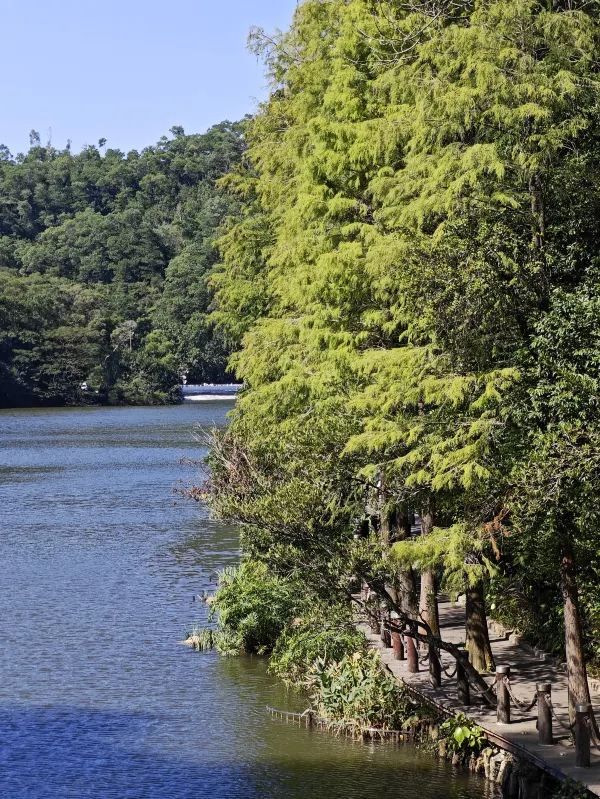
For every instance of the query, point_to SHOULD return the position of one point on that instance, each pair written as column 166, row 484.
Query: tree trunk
column 408, row 593
column 477, row 636
column 428, row 605
column 579, row 690
column 407, row 584
column 386, row 521
column 410, row 605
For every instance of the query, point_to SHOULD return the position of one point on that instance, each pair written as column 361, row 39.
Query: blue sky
column 127, row 70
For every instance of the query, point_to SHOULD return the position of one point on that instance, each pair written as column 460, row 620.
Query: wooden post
column 503, row 710
column 374, row 622
column 544, row 719
column 397, row 646
column 462, row 681
column 582, row 735
column 386, row 638
column 412, row 655
column 435, row 667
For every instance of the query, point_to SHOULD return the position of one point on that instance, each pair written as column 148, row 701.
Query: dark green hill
column 104, row 258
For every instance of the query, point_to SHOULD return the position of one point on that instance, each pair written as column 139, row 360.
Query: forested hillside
column 104, row 258
column 414, row 287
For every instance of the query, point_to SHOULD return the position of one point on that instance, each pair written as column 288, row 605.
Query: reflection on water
column 101, row 560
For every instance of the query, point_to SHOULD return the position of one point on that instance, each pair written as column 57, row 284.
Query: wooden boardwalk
column 527, row 669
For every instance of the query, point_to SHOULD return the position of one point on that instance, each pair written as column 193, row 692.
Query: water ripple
column 101, row 562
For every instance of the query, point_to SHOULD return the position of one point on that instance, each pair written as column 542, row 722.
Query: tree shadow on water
column 82, row 753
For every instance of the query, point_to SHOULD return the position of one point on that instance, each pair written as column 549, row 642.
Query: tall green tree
column 421, row 208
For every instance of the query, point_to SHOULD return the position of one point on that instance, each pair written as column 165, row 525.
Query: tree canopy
column 412, row 284
column 104, row 265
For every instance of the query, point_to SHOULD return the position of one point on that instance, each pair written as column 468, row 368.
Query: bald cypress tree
column 408, row 183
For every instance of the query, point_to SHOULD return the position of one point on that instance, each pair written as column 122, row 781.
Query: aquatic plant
column 462, row 735
column 202, row 639
column 252, row 607
column 358, row 694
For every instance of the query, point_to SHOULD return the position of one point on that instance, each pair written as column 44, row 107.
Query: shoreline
column 513, row 758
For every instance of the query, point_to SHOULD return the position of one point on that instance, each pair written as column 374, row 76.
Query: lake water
column 100, row 561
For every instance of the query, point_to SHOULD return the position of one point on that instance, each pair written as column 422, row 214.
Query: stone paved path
column 527, row 669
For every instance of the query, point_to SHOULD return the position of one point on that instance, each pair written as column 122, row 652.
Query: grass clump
column 201, row 639
column 252, row 608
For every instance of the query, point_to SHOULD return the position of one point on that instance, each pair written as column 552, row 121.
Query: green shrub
column 357, row 693
column 327, row 634
column 463, row 735
column 253, row 607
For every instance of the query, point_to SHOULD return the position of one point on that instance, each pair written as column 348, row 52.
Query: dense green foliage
column 323, row 635
column 259, row 612
column 357, row 693
column 413, row 286
column 462, row 735
column 571, row 789
column 104, row 267
column 253, row 608
column 314, row 647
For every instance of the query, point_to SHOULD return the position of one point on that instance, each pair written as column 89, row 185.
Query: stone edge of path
column 449, row 708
